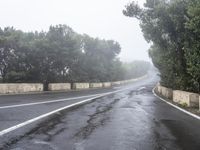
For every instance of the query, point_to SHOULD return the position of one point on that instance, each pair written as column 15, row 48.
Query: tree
column 135, row 69
column 193, row 44
column 56, row 52
column 163, row 23
column 9, row 48
column 98, row 58
column 58, row 55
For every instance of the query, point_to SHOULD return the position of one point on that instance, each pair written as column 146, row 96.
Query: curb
column 175, row 106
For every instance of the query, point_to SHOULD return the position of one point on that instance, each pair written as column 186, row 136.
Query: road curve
column 130, row 119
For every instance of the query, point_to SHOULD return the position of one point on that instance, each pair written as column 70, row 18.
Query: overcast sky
column 97, row 18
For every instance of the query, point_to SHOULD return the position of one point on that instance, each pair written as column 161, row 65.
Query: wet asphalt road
column 133, row 119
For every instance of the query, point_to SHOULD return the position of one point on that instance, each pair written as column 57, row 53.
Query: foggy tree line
column 135, row 69
column 60, row 55
column 173, row 28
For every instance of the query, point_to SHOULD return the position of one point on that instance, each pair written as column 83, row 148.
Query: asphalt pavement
column 130, row 118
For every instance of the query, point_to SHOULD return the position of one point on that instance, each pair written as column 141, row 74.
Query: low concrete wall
column 96, row 85
column 182, row 97
column 20, row 88
column 34, row 87
column 132, row 80
column 165, row 92
column 126, row 81
column 107, row 84
column 136, row 79
column 123, row 82
column 116, row 83
column 78, row 86
column 59, row 86
column 199, row 103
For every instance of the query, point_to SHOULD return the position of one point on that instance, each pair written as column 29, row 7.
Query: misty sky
column 97, row 18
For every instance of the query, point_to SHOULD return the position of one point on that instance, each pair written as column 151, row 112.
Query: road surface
column 131, row 118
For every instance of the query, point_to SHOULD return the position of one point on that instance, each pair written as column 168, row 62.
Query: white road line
column 183, row 110
column 61, row 100
column 142, row 88
column 57, row 100
column 5, row 131
column 46, row 102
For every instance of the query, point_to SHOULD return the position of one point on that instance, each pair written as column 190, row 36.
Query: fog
column 97, row 18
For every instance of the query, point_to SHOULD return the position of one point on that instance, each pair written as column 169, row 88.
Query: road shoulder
column 184, row 110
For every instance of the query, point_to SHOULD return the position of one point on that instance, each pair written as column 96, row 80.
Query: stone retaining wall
column 20, row 88
column 182, row 97
column 34, row 87
column 59, row 86
column 96, row 85
column 78, row 86
column 165, row 92
column 116, row 83
column 107, row 84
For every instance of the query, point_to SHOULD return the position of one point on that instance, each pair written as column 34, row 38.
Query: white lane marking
column 5, row 131
column 57, row 100
column 38, row 142
column 67, row 99
column 183, row 110
column 46, row 102
column 142, row 88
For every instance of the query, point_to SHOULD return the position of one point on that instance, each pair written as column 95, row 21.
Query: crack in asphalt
column 97, row 119
column 57, row 123
column 42, row 128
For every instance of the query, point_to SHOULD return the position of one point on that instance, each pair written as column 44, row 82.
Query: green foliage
column 193, row 44
column 58, row 55
column 184, row 105
column 173, row 29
